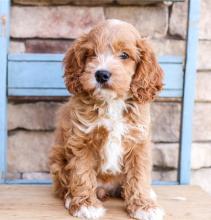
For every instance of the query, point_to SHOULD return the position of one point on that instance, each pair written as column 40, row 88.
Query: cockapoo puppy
column 102, row 145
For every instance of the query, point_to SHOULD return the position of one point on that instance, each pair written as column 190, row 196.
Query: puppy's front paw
column 150, row 214
column 89, row 212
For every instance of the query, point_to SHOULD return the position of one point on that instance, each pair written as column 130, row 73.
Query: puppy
column 102, row 145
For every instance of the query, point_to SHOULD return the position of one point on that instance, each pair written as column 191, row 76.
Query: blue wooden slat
column 48, row 181
column 35, row 75
column 161, row 183
column 41, row 75
column 59, row 57
column 25, row 181
column 189, row 88
column 168, row 93
column 37, row 92
column 35, row 57
column 4, row 40
column 170, row 59
column 173, row 76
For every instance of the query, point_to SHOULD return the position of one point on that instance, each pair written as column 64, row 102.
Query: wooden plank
column 188, row 92
column 41, row 75
column 38, row 203
column 4, row 38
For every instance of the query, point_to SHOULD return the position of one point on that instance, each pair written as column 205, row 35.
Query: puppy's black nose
column 102, row 76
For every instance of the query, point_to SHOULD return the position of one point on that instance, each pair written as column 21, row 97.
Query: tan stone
column 203, row 88
column 36, row 175
column 164, row 175
column 202, row 178
column 165, row 155
column 16, row 47
column 201, row 155
column 202, row 122
column 165, row 121
column 150, row 21
column 53, row 22
column 12, row 176
column 205, row 20
column 33, row 116
column 47, row 46
column 92, row 2
column 204, row 54
column 164, row 47
column 136, row 2
column 62, row 2
column 42, row 2
column 28, row 151
column 178, row 19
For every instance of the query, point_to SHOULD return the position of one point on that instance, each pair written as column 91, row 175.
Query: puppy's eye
column 124, row 56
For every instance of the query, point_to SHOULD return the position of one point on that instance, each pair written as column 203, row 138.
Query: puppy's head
column 113, row 61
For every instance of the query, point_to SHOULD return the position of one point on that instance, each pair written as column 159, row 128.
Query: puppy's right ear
column 74, row 62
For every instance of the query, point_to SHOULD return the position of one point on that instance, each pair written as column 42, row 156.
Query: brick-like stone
column 33, row 116
column 12, row 176
column 202, row 178
column 36, row 175
column 204, row 54
column 92, row 2
column 150, row 21
column 178, row 19
column 202, row 122
column 163, row 47
column 42, row 2
column 53, row 22
column 203, row 88
column 165, row 155
column 28, row 151
column 47, row 46
column 205, row 20
column 17, row 47
column 165, row 121
column 136, row 2
column 201, row 155
column 164, row 175
column 62, row 2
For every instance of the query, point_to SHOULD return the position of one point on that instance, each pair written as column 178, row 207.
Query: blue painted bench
column 41, row 75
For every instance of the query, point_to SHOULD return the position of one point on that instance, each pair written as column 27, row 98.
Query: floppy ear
column 74, row 62
column 147, row 80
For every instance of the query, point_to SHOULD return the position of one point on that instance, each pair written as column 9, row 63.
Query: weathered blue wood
column 161, row 183
column 38, row 92
column 35, row 74
column 35, row 57
column 189, row 88
column 48, row 181
column 64, row 92
column 33, row 181
column 41, row 75
column 4, row 40
column 168, row 93
column 60, row 57
column 171, row 59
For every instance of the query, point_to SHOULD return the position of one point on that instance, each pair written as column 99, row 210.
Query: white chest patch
column 113, row 151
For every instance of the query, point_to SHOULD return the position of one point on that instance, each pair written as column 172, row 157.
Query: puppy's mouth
column 105, row 85
column 104, row 93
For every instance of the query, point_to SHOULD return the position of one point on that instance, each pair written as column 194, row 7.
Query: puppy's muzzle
column 102, row 76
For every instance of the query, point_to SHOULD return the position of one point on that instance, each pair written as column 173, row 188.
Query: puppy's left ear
column 147, row 80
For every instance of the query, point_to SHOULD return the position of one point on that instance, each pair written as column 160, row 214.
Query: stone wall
column 50, row 26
